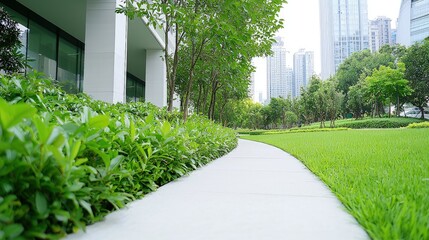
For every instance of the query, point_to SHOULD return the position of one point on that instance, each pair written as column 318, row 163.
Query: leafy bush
column 378, row 123
column 66, row 160
column 419, row 125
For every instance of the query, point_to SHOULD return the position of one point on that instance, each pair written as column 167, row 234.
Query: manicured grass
column 381, row 176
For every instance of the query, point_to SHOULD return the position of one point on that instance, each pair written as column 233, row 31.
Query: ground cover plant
column 419, row 125
column 66, row 160
column 381, row 176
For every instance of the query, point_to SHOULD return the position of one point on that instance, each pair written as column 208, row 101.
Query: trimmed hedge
column 378, row 123
column 67, row 161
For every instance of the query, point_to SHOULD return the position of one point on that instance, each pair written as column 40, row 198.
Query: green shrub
column 378, row 123
column 419, row 125
column 66, row 160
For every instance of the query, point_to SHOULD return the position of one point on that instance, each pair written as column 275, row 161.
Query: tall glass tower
column 344, row 30
column 413, row 21
column 278, row 83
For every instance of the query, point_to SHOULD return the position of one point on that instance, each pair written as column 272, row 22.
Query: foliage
column 11, row 59
column 67, row 160
column 388, row 85
column 378, row 123
column 358, row 100
column 419, row 125
column 211, row 61
column 379, row 175
column 417, row 72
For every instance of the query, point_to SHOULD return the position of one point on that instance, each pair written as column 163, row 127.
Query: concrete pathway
column 255, row 192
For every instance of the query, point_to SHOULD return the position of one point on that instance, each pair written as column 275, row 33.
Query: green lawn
column 381, row 176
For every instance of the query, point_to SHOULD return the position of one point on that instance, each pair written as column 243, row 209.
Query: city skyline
column 302, row 30
column 344, row 30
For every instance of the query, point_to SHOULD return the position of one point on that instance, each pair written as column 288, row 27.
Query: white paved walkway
column 255, row 192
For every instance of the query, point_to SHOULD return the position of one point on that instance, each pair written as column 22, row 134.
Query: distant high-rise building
column 289, row 82
column 374, row 42
column 261, row 98
column 344, row 30
column 413, row 22
column 252, row 86
column 380, row 33
column 303, row 70
column 276, row 71
column 394, row 37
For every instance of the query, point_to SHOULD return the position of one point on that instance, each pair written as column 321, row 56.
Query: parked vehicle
column 415, row 113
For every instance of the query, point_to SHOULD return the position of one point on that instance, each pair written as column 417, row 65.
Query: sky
column 302, row 30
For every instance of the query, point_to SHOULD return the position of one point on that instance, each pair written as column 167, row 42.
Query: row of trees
column 393, row 76
column 321, row 101
column 363, row 86
column 214, row 43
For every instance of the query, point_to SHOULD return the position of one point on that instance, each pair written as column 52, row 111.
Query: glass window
column 135, row 89
column 42, row 50
column 131, row 90
column 69, row 56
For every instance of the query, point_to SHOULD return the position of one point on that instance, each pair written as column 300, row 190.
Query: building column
column 156, row 79
column 105, row 51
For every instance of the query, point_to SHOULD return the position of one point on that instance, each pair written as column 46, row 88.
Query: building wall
column 87, row 47
column 413, row 22
column 403, row 35
column 380, row 33
column 419, row 20
column 374, row 38
column 344, row 30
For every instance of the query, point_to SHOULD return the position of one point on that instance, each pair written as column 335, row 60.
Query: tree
column 388, row 85
column 220, row 49
column 358, row 101
column 362, row 64
column 309, row 103
column 417, row 72
column 11, row 59
column 170, row 16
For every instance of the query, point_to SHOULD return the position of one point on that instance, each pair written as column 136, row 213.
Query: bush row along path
column 255, row 192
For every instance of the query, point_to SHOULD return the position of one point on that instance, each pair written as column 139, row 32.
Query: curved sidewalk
column 255, row 192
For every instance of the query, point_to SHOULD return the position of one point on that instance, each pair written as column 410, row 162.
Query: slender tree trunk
column 213, row 99
column 422, row 110
column 205, row 90
column 390, row 108
column 397, row 106
column 200, row 90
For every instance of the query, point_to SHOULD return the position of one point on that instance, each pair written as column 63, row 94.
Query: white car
column 414, row 113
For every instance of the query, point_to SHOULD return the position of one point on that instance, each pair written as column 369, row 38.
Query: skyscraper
column 344, row 30
column 374, row 42
column 394, row 33
column 413, row 22
column 251, row 90
column 276, row 71
column 380, row 33
column 303, row 70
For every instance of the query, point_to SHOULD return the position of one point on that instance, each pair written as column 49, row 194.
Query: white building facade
column 303, row 70
column 344, row 30
column 87, row 47
column 277, row 85
column 380, row 33
column 413, row 22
